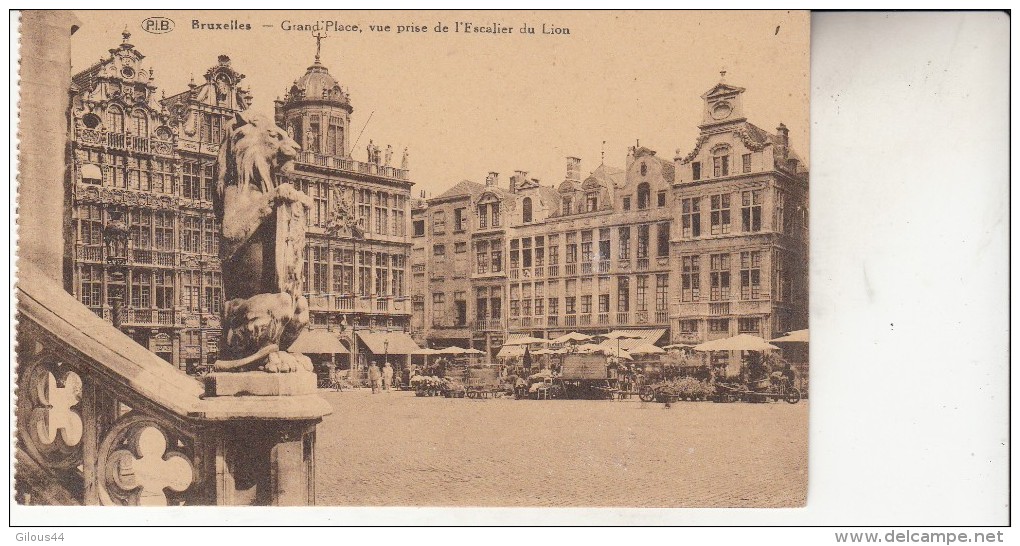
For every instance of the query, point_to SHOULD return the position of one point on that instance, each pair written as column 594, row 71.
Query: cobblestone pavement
column 395, row 449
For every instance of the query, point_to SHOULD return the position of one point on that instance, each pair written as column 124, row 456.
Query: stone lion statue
column 263, row 238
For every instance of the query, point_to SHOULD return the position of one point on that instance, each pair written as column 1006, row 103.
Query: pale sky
column 467, row 104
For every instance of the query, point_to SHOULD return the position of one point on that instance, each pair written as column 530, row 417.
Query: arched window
column 644, row 195
column 526, row 209
column 140, row 125
column 114, row 119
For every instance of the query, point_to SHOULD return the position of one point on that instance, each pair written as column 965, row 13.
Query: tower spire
column 318, row 45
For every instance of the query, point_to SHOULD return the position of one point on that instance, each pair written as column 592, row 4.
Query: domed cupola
column 316, row 111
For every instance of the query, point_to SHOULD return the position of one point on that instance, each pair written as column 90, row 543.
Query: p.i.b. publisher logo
column 157, row 25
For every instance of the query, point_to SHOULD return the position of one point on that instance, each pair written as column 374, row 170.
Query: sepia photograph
column 447, row 259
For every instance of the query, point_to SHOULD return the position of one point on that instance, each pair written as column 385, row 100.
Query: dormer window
column 644, row 195
column 591, row 201
column 696, row 170
column 566, row 205
column 644, row 169
column 721, row 165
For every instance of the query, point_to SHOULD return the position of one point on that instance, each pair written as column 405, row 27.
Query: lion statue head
column 252, row 150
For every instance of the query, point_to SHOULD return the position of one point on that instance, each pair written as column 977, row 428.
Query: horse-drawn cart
column 762, row 390
column 482, row 382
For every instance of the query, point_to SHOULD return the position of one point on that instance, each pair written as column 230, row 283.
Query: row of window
column 721, row 166
column 745, row 325
column 310, row 138
column 201, row 291
column 720, row 214
column 719, row 277
column 133, row 173
column 149, row 229
column 591, row 201
column 378, row 273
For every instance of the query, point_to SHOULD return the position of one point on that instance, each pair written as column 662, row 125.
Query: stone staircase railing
column 103, row 421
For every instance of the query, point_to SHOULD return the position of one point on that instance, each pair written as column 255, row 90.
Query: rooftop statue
column 263, row 236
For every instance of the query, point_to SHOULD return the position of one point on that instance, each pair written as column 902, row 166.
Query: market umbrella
column 797, row 336
column 526, row 340
column 589, row 348
column 679, row 346
column 740, row 342
column 645, row 349
column 473, row 351
column 317, row 342
column 572, row 336
column 452, row 350
column 425, row 351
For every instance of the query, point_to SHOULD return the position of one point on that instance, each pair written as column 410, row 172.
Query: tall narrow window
column 696, row 170
column 691, row 217
column 750, row 210
column 662, row 240
column 495, row 214
column 721, row 165
column 644, row 195
column 624, row 234
column 750, row 275
column 591, row 201
column 459, row 218
column 566, row 205
column 140, row 124
column 690, row 277
column 483, row 216
column 623, row 295
column 720, row 277
column 642, row 241
column 482, row 256
column 642, row 293
column 91, row 286
column 720, row 214
column 746, row 162
column 526, row 209
column 114, row 119
column 661, row 292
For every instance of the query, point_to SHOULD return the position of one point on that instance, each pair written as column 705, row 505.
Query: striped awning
column 394, row 343
column 650, row 336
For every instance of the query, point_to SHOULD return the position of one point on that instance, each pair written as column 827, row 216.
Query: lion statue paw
column 284, row 362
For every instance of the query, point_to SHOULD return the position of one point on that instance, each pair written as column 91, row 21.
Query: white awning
column 641, row 337
column 394, row 343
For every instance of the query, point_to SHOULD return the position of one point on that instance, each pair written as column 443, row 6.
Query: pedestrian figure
column 374, row 377
column 387, row 376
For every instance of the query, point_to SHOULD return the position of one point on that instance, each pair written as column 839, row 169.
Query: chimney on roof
column 517, row 179
column 784, row 134
column 574, row 168
column 782, row 142
column 492, row 180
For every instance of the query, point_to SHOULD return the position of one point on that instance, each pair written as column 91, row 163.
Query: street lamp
column 115, row 239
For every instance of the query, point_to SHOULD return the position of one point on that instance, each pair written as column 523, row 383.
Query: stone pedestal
column 259, row 383
column 263, row 451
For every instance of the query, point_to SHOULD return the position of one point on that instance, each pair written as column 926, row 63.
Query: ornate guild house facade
column 146, row 242
column 704, row 246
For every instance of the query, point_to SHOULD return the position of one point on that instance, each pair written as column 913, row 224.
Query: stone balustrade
column 103, row 421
